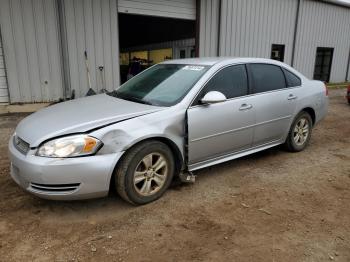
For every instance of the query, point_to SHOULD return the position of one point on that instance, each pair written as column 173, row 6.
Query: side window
column 267, row 77
column 232, row 81
column 292, row 80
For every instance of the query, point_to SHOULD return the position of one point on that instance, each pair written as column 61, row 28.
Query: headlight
column 70, row 146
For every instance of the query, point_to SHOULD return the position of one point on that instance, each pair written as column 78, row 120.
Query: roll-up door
column 182, row 9
column 4, row 95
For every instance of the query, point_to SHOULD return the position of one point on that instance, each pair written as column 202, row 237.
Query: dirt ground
column 270, row 206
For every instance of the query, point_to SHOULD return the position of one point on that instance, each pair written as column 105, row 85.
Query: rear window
column 267, row 77
column 292, row 79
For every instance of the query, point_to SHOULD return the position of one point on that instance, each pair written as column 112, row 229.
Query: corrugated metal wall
column 323, row 25
column 185, row 9
column 209, row 27
column 4, row 95
column 92, row 26
column 250, row 27
column 32, row 51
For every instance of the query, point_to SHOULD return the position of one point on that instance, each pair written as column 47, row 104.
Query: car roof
column 210, row 61
column 222, row 61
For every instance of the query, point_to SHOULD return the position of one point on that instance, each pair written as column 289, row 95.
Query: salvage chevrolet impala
column 171, row 119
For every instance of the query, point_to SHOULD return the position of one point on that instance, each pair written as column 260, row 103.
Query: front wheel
column 145, row 172
column 300, row 133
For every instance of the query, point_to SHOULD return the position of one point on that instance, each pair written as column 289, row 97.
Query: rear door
column 274, row 103
column 216, row 130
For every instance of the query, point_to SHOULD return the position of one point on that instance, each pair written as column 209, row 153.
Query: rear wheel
column 145, row 172
column 300, row 133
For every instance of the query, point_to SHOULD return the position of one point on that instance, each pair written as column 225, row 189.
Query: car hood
column 80, row 115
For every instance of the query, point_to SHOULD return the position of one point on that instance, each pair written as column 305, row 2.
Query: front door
column 217, row 130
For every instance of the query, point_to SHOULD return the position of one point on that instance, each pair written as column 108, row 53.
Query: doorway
column 323, row 63
column 148, row 40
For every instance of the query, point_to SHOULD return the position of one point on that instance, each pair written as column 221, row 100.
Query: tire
column 297, row 139
column 138, row 179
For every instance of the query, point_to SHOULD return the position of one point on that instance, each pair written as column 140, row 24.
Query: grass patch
column 338, row 85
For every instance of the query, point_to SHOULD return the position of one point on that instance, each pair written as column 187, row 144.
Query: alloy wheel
column 301, row 131
column 150, row 174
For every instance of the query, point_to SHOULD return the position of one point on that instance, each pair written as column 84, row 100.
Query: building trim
column 64, row 49
column 347, row 76
column 219, row 28
column 295, row 31
column 198, row 11
column 335, row 2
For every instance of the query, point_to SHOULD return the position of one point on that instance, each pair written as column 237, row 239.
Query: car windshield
column 161, row 85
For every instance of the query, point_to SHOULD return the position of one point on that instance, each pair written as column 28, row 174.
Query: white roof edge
column 338, row 2
column 215, row 60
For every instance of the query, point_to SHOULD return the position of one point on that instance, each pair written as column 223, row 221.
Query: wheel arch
column 311, row 112
column 178, row 157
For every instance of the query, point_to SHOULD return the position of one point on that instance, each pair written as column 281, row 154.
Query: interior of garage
column 147, row 40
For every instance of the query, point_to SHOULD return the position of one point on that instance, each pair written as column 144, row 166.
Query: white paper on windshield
column 193, row 68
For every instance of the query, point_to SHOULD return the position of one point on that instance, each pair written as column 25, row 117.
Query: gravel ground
column 270, row 206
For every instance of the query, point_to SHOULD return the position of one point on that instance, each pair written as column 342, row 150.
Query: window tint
column 267, row 77
column 292, row 80
column 161, row 85
column 231, row 81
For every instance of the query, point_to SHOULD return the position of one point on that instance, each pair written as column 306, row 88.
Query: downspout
column 67, row 92
column 295, row 31
column 198, row 10
column 347, row 69
column 219, row 31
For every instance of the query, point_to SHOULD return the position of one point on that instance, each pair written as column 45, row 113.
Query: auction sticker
column 193, row 68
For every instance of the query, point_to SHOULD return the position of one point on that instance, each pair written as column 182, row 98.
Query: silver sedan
column 171, row 119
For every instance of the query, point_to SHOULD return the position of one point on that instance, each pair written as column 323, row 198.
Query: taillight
column 325, row 86
column 348, row 88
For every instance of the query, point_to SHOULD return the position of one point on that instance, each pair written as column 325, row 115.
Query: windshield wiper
column 129, row 98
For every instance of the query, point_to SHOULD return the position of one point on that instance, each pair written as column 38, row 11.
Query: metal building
column 43, row 42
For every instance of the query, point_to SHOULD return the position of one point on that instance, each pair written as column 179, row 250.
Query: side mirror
column 213, row 97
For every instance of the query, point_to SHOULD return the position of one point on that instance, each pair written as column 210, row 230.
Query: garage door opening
column 148, row 40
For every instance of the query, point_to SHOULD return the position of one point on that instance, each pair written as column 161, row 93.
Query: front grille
column 55, row 187
column 21, row 145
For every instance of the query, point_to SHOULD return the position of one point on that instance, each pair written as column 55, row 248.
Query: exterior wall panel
column 92, row 26
column 32, row 52
column 208, row 27
column 323, row 25
column 4, row 95
column 250, row 27
column 184, row 9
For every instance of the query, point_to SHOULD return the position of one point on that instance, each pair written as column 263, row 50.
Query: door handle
column 291, row 97
column 245, row 107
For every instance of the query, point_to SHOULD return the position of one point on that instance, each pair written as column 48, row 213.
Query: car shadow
column 113, row 203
